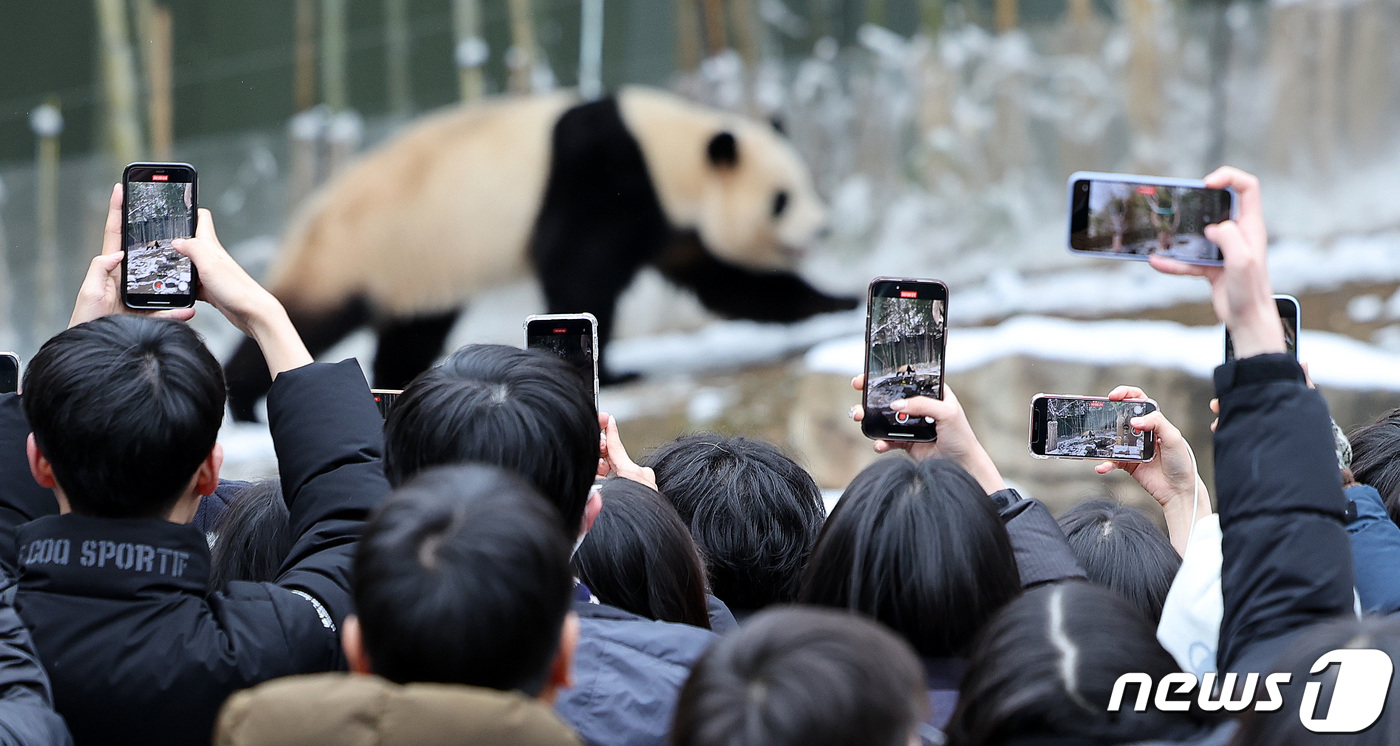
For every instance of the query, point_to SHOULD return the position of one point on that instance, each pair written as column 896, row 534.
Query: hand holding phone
column 1090, row 427
column 1290, row 314
column 956, row 439
column 159, row 204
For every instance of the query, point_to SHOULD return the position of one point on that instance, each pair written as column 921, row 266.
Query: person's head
column 1375, row 458
column 1121, row 548
column 524, row 410
column 798, row 676
column 462, row 577
column 753, row 511
column 1045, row 667
column 253, row 536
column 640, row 558
column 918, row 546
column 1347, row 637
column 125, row 414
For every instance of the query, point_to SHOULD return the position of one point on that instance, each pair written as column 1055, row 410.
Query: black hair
column 918, row 546
column 1046, row 665
column 753, row 511
column 524, row 410
column 125, row 408
column 254, row 536
column 1375, row 458
column 802, row 677
column 640, row 558
column 1284, row 727
column 462, row 577
column 1120, row 548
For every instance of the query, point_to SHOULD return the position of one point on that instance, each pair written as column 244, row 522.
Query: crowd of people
column 489, row 565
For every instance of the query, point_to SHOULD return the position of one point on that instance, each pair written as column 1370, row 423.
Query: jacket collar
column 122, row 558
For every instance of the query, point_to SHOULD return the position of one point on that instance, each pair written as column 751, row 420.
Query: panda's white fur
column 446, row 209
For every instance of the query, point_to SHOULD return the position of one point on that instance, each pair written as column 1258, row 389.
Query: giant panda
column 581, row 194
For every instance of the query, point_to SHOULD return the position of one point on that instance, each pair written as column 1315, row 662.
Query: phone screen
column 385, row 399
column 1138, row 219
column 9, row 373
column 572, row 338
column 905, row 332
column 1288, row 313
column 1088, row 427
column 159, row 204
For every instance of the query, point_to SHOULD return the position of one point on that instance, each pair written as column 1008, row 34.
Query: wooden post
column 716, row 34
column 304, row 76
column 747, row 30
column 153, row 20
column 118, row 81
column 471, row 50
column 333, row 53
column 1007, row 12
column 875, row 12
column 396, row 58
column 47, row 123
column 931, row 17
column 687, row 35
column 590, row 51
column 521, row 60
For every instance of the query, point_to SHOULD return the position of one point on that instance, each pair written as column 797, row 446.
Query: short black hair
column 125, row 408
column 524, row 410
column 1120, row 548
column 640, row 558
column 753, row 510
column 252, row 537
column 1375, row 458
column 462, row 577
column 802, row 677
column 1046, row 665
column 918, row 546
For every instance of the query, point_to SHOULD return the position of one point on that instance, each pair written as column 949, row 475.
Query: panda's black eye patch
column 780, row 202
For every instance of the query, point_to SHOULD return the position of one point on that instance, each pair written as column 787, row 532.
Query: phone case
column 1030, row 438
column 1133, row 179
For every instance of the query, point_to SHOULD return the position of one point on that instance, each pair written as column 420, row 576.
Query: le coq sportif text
column 122, row 555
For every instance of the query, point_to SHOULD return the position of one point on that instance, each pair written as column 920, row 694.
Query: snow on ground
column 1333, row 359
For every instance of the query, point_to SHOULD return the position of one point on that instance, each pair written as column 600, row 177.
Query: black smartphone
column 1290, row 313
column 160, row 203
column 1122, row 216
column 905, row 327
column 9, row 373
column 385, row 400
column 571, row 336
column 1090, row 427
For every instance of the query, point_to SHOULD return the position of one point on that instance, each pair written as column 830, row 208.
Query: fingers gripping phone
column 905, row 329
column 1290, row 313
column 9, row 373
column 159, row 204
column 1122, row 216
column 571, row 336
column 1090, row 427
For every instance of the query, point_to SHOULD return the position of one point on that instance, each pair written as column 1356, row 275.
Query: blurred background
column 940, row 133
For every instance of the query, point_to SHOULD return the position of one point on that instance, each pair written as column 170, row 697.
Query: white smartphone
column 571, row 336
column 1124, row 216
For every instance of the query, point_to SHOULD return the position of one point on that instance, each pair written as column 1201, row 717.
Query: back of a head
column 1120, row 548
column 753, row 511
column 523, row 410
column 802, row 677
column 640, row 558
column 1284, row 726
column 254, row 536
column 125, row 408
column 1045, row 667
column 918, row 546
column 462, row 577
column 1375, row 458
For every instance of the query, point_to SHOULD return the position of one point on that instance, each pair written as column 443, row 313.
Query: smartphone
column 1090, row 427
column 385, row 400
column 1122, row 216
column 1291, row 314
column 9, row 373
column 905, row 327
column 160, row 203
column 571, row 336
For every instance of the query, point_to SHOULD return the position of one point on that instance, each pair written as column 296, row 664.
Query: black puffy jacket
column 138, row 649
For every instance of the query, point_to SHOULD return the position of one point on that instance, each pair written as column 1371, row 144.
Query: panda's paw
column 608, row 378
column 833, row 303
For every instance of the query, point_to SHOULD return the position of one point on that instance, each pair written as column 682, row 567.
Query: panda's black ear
column 723, row 150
